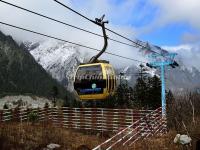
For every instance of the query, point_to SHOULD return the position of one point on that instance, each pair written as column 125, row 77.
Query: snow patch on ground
column 26, row 101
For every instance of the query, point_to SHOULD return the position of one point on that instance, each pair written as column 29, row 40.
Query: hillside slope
column 57, row 58
column 20, row 73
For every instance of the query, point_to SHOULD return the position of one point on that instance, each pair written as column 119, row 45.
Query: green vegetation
column 21, row 74
column 5, row 106
column 33, row 117
column 146, row 94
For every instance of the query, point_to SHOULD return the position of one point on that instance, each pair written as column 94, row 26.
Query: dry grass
column 164, row 142
column 36, row 137
column 183, row 117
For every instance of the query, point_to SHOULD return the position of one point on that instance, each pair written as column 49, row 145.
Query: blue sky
column 161, row 22
column 170, row 34
column 171, row 23
column 157, row 21
column 144, row 13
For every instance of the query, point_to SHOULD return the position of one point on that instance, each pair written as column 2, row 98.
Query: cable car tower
column 161, row 61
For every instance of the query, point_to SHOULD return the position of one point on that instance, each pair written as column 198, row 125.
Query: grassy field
column 183, row 117
column 14, row 136
column 35, row 137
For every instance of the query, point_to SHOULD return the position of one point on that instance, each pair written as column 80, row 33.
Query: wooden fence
column 130, row 125
column 100, row 119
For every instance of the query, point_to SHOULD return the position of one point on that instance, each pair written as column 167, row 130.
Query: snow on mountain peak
column 58, row 58
column 61, row 60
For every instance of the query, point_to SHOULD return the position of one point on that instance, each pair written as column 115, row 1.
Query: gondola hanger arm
column 101, row 23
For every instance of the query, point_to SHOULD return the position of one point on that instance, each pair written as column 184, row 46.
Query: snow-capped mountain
column 178, row 79
column 61, row 60
column 57, row 58
column 183, row 78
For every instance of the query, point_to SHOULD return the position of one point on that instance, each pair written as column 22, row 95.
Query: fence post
column 76, row 118
column 46, row 119
column 20, row 115
column 1, row 116
column 132, row 116
column 102, row 120
column 62, row 117
column 17, row 114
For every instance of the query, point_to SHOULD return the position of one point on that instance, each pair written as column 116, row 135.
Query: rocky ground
column 26, row 101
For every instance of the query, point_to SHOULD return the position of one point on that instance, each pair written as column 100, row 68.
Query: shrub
column 5, row 106
column 46, row 105
column 33, row 117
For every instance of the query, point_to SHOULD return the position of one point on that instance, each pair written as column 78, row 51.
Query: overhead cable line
column 64, row 23
column 59, row 39
column 137, row 43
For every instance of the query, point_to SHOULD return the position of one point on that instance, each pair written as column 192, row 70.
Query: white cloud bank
column 188, row 54
column 178, row 11
column 91, row 8
column 120, row 15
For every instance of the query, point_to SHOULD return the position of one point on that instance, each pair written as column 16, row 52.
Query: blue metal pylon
column 157, row 60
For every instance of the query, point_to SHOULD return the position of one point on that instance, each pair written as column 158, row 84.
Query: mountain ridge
column 181, row 78
column 20, row 73
column 58, row 59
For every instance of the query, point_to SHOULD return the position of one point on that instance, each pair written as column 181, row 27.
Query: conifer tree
column 154, row 92
column 140, row 89
column 147, row 91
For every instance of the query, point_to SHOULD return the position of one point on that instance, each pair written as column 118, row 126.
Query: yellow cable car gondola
column 96, row 79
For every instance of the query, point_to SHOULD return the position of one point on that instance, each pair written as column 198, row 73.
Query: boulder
column 53, row 146
column 182, row 139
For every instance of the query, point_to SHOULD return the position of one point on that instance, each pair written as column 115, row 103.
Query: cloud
column 186, row 12
column 174, row 11
column 190, row 37
column 147, row 14
column 91, row 8
column 179, row 11
column 188, row 54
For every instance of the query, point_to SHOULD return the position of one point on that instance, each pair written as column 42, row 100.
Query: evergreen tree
column 122, row 99
column 70, row 100
column 124, row 96
column 147, row 91
column 140, row 89
column 154, row 92
column 5, row 106
column 140, row 93
column 110, row 102
column 54, row 94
